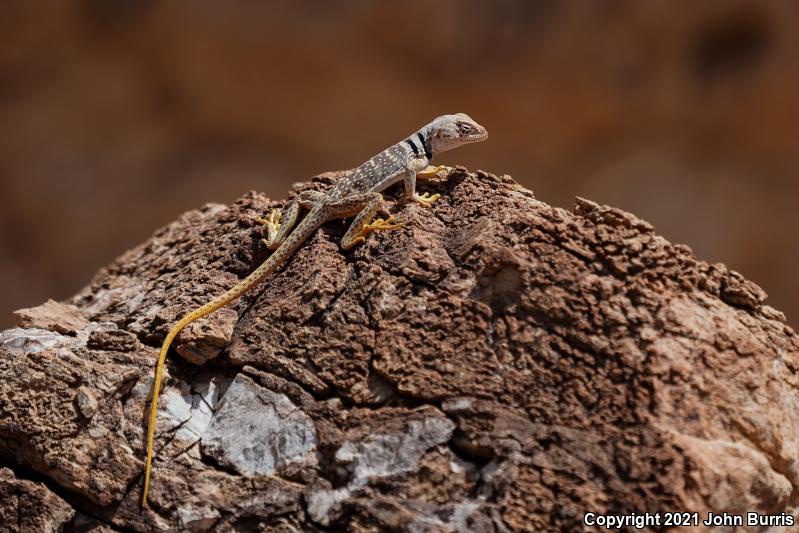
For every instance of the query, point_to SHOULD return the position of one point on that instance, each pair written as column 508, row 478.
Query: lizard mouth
column 477, row 136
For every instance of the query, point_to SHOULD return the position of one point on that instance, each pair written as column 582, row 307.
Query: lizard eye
column 465, row 127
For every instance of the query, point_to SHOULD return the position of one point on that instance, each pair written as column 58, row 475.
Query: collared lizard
column 357, row 194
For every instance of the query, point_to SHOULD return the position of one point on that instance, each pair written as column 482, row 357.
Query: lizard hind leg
column 272, row 227
column 363, row 224
column 280, row 223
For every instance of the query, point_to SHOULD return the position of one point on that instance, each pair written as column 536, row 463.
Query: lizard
column 357, row 194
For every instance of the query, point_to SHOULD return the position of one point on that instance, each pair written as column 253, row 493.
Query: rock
column 63, row 410
column 198, row 518
column 367, row 456
column 53, row 316
column 86, row 524
column 87, row 403
column 256, row 431
column 29, row 506
column 495, row 365
column 206, row 338
column 385, row 454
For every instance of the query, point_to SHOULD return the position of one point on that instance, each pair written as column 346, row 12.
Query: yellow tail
column 217, row 303
column 159, row 371
column 284, row 251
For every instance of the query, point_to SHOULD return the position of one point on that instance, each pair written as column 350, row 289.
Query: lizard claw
column 426, row 200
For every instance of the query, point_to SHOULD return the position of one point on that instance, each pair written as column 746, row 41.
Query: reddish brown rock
column 52, row 315
column 66, row 410
column 28, row 506
column 495, row 365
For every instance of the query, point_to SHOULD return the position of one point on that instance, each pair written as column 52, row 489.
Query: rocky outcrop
column 495, row 365
column 29, row 506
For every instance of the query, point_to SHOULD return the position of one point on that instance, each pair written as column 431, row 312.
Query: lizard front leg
column 425, row 200
column 279, row 224
column 364, row 207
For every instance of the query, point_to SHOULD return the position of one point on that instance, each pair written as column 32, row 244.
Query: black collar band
column 426, row 145
column 413, row 147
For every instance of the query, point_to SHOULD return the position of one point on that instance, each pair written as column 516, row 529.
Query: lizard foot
column 273, row 222
column 431, row 171
column 426, row 200
column 273, row 227
column 379, row 224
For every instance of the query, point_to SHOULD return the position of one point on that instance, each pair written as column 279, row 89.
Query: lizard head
column 450, row 131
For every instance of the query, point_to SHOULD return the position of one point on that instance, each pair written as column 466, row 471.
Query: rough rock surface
column 495, row 365
column 29, row 506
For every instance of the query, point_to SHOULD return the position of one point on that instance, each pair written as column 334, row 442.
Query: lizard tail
column 217, row 303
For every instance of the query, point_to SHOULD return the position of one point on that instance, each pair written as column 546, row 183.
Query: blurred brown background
column 118, row 115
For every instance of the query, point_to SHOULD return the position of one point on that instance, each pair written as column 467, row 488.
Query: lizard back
column 378, row 173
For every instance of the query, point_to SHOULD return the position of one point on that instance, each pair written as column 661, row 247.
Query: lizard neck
column 423, row 137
